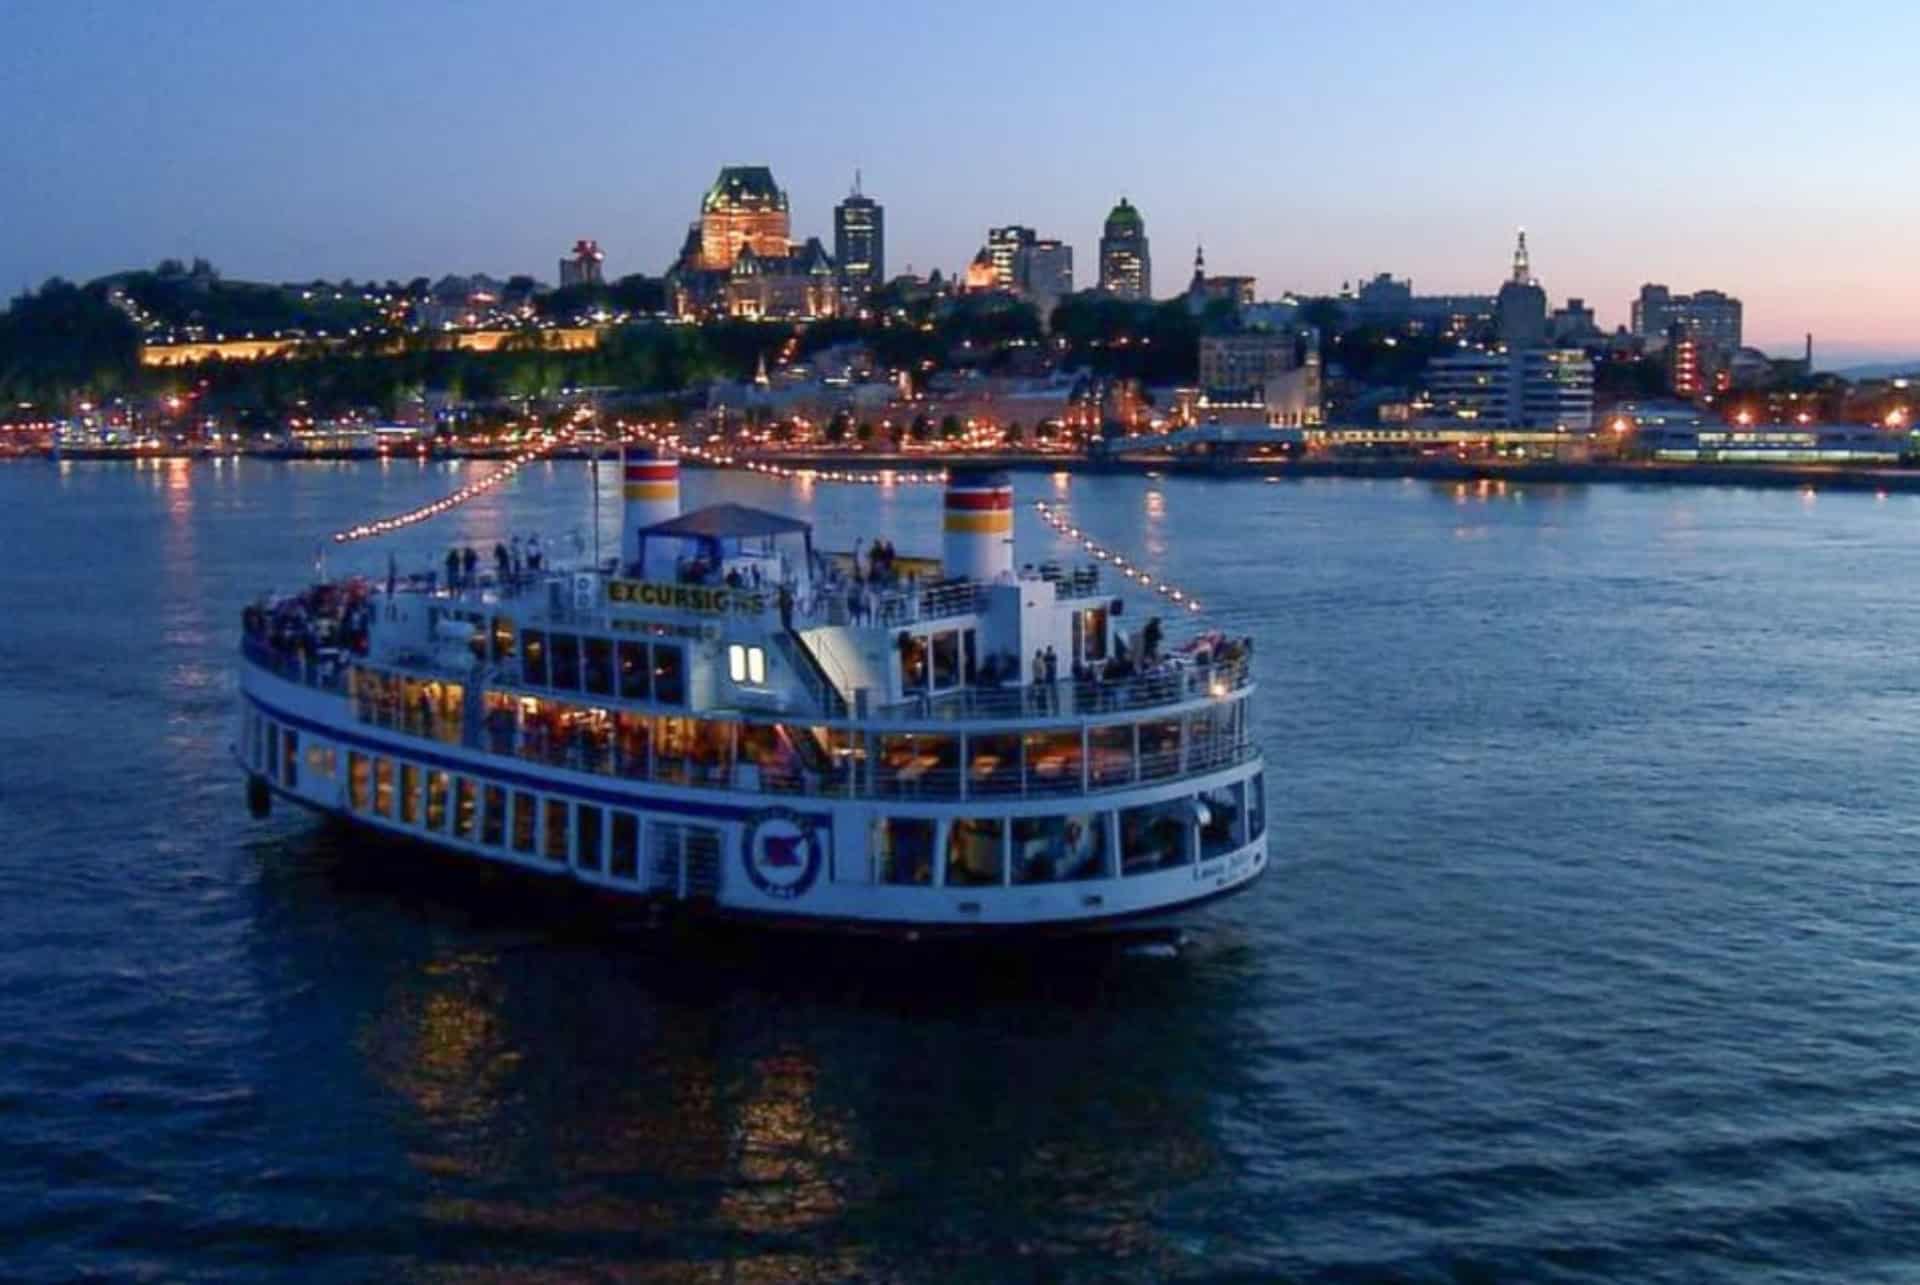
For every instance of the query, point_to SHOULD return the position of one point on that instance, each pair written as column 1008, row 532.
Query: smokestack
column 978, row 538
column 1809, row 352
column 650, row 493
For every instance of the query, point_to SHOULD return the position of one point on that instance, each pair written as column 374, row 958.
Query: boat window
column 747, row 665
column 631, row 732
column 383, row 786
column 1110, row 753
column 320, row 761
column 1210, row 738
column 770, row 758
column 359, row 777
column 1055, row 849
column 493, row 824
column 563, row 661
column 623, row 862
column 533, row 658
column 1156, row 837
column 436, row 800
column 463, row 809
column 669, row 674
column 596, row 660
column 1221, row 830
column 1053, row 762
column 634, row 671
column 290, row 758
column 556, row 830
column 919, row 764
column 946, row 659
column 409, row 794
column 1159, row 749
column 503, row 638
column 1257, row 806
column 993, row 764
column 1090, row 630
column 524, row 820
column 586, row 837
column 903, row 850
column 913, row 663
column 975, row 851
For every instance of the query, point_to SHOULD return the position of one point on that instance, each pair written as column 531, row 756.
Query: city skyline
column 1420, row 141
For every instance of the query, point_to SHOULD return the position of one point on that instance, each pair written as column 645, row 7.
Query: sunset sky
column 1763, row 149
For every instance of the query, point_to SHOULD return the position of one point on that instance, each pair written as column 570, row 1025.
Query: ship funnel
column 650, row 493
column 978, row 542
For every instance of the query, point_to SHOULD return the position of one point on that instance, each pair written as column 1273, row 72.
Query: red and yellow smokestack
column 978, row 536
column 650, row 493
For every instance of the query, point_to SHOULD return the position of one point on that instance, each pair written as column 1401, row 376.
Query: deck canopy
column 707, row 544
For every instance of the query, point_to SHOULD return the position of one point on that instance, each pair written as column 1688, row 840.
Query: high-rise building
column 1043, row 272
column 744, row 207
column 582, row 267
column 1126, row 267
column 1520, row 309
column 1711, row 317
column 860, row 240
column 1003, row 251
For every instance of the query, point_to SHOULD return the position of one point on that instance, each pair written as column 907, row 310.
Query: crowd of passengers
column 326, row 617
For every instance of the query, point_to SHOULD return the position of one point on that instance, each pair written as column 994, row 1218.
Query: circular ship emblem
column 781, row 853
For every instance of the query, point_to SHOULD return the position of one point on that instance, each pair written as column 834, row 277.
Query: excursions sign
column 685, row 597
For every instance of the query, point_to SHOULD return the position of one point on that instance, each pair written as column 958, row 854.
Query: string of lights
column 473, row 490
column 1058, row 521
column 885, row 477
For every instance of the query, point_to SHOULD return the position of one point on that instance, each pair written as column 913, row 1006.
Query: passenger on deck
column 469, row 561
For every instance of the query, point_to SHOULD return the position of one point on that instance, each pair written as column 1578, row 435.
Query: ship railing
column 873, row 770
column 1079, row 698
column 323, row 668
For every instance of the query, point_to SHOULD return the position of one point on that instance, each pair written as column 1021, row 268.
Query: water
column 1588, row 953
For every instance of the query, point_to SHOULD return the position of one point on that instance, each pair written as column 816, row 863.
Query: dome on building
column 1124, row 219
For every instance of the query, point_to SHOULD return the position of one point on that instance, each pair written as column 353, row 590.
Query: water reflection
column 794, row 1111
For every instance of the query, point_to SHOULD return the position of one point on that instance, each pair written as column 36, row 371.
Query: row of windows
column 629, row 669
column 549, row 827
column 273, row 751
column 990, row 851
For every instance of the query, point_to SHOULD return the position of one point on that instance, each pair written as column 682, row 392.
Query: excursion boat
column 729, row 721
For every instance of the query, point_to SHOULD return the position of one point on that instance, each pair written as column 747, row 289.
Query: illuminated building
column 582, row 267
column 1003, row 251
column 743, row 207
column 794, row 286
column 1512, row 388
column 738, row 260
column 1272, row 373
column 1711, row 317
column 860, row 240
column 1126, row 267
column 1684, row 373
column 980, row 273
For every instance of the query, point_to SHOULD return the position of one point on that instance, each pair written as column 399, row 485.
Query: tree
column 837, row 427
column 1015, row 434
column 865, row 432
column 922, row 428
column 949, row 428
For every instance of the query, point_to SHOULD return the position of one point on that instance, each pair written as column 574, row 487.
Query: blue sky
column 1760, row 148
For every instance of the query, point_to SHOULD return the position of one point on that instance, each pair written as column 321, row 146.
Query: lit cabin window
column 747, row 664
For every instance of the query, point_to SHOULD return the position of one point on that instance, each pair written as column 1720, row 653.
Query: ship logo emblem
column 782, row 853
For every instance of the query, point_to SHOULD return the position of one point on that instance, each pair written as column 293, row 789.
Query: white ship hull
column 704, row 850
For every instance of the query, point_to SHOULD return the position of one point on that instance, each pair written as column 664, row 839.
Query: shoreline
column 1776, row 476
